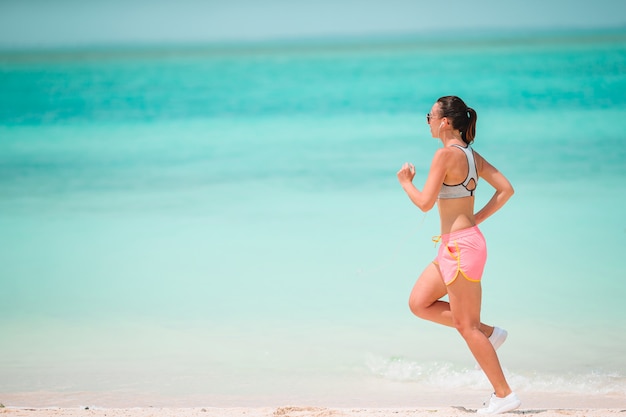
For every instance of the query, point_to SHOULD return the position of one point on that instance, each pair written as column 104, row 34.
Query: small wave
column 446, row 375
column 594, row 383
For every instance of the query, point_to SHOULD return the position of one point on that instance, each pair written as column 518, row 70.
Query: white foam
column 446, row 375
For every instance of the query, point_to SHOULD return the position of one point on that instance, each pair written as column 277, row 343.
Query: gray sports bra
column 461, row 190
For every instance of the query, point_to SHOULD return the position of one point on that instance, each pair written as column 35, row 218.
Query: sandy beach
column 110, row 404
column 293, row 411
column 544, row 405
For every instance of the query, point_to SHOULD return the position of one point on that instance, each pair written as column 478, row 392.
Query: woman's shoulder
column 443, row 155
column 449, row 154
column 447, row 151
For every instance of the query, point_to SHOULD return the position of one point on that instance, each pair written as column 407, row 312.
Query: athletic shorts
column 462, row 252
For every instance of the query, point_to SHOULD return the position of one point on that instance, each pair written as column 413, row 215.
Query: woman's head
column 459, row 116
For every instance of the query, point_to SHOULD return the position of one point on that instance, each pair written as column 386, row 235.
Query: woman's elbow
column 509, row 191
column 426, row 205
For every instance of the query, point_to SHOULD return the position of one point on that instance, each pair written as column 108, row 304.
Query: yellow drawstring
column 436, row 239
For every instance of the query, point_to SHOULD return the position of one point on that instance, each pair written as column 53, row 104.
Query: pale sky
column 42, row 23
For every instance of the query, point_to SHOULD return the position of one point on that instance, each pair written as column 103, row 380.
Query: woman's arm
column 427, row 198
column 504, row 189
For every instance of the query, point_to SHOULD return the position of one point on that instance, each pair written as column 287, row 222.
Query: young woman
column 460, row 261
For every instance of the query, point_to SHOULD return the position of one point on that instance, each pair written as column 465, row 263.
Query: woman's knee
column 465, row 327
column 418, row 306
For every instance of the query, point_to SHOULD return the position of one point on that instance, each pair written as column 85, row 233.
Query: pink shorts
column 463, row 251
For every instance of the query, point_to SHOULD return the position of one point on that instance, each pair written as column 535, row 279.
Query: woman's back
column 457, row 212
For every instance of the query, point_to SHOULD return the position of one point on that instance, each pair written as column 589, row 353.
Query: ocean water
column 222, row 225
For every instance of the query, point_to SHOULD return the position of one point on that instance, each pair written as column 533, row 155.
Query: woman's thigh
column 428, row 288
column 465, row 300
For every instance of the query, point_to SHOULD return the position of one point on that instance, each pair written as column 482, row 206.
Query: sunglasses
column 430, row 116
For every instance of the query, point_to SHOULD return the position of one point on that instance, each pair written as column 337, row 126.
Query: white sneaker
column 498, row 337
column 499, row 405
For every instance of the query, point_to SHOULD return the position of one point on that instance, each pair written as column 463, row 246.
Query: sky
column 53, row 23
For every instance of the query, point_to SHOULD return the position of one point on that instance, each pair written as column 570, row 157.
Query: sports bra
column 461, row 190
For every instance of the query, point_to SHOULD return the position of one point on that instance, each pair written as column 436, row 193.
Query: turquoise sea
column 221, row 225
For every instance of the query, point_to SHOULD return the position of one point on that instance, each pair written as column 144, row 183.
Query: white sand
column 291, row 411
column 112, row 404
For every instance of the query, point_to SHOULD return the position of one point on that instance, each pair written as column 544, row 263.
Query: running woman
column 458, row 267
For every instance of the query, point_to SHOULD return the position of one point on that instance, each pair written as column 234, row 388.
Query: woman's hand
column 406, row 173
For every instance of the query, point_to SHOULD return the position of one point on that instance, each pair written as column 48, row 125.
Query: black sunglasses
column 428, row 117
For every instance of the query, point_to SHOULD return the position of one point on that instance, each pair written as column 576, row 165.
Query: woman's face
column 434, row 120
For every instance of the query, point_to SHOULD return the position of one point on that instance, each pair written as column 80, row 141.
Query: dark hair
column 462, row 117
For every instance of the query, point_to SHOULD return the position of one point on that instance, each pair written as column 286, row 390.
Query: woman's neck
column 452, row 138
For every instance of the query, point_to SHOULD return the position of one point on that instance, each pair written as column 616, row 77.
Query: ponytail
column 470, row 132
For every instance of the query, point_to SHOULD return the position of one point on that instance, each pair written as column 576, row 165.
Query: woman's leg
column 465, row 298
column 425, row 302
